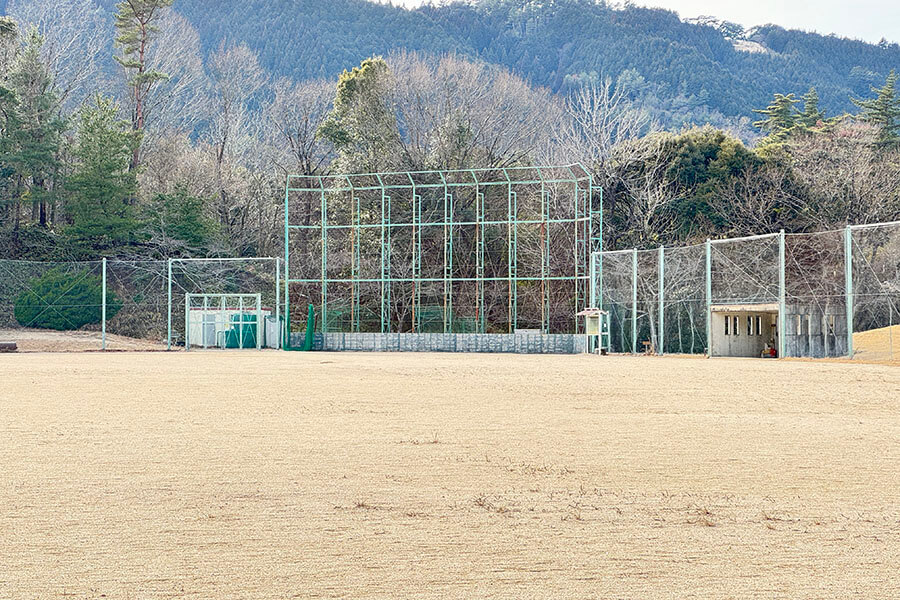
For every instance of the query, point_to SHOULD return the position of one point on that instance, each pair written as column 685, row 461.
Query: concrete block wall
column 516, row 343
column 817, row 337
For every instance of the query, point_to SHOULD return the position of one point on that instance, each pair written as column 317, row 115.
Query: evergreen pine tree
column 361, row 125
column 136, row 23
column 780, row 118
column 102, row 183
column 811, row 114
column 883, row 111
column 33, row 128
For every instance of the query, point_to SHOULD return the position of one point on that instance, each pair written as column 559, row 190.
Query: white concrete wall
column 739, row 343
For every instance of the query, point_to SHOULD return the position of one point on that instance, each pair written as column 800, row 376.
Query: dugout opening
column 744, row 330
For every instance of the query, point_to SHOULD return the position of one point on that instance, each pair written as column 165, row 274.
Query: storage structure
column 225, row 321
column 749, row 330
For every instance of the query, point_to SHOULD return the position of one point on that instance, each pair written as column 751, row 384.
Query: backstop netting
column 472, row 251
column 838, row 291
column 876, row 291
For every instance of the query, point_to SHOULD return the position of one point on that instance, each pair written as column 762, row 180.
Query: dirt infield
column 278, row 475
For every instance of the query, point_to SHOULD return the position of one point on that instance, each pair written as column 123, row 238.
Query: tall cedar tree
column 883, row 111
column 33, row 129
column 811, row 114
column 102, row 183
column 136, row 23
column 780, row 118
column 361, row 125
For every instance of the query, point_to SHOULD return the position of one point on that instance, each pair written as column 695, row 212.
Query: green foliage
column 102, row 186
column 64, row 301
column 136, row 24
column 883, row 111
column 178, row 223
column 812, row 115
column 780, row 118
column 32, row 127
column 361, row 126
column 692, row 72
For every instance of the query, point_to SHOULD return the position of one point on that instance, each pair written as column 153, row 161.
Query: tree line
column 174, row 152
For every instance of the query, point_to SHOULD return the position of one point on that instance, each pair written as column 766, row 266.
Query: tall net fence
column 472, row 251
column 120, row 304
column 876, row 291
column 829, row 294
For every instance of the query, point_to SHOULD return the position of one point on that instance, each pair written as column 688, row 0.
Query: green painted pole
column 169, row 318
column 279, row 342
column 103, row 315
column 324, row 213
column 634, row 297
column 848, row 286
column 782, row 294
column 709, row 299
column 662, row 303
column 385, row 287
column 286, row 329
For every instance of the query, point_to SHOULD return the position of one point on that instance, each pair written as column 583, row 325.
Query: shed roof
column 745, row 308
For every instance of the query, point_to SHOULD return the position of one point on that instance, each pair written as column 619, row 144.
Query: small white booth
column 596, row 330
column 749, row 330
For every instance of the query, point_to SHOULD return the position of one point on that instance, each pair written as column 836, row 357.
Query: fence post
column 103, row 310
column 169, row 318
column 708, row 297
column 661, row 336
column 634, row 294
column 782, row 294
column 277, row 304
column 848, row 286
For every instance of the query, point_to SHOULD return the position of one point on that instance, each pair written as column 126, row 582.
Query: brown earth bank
column 276, row 475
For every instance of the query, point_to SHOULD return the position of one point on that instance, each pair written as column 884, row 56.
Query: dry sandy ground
column 878, row 345
column 46, row 340
column 278, row 475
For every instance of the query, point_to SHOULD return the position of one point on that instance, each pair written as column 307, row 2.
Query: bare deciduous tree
column 77, row 37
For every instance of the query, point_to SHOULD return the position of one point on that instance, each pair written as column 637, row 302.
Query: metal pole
column 324, row 213
column 661, row 336
column 187, row 322
column 576, row 253
column 510, row 255
column 203, row 321
column 277, row 303
column 848, row 286
column 545, row 262
column 258, row 321
column 385, row 286
column 479, row 258
column 169, row 319
column 634, row 295
column 708, row 298
column 285, row 340
column 356, row 263
column 782, row 293
column 103, row 310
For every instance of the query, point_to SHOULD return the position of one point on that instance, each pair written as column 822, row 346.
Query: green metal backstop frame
column 429, row 251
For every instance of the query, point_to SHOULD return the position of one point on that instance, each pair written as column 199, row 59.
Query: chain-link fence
column 826, row 294
column 124, row 304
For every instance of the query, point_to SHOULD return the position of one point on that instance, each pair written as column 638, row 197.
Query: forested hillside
column 685, row 70
column 167, row 127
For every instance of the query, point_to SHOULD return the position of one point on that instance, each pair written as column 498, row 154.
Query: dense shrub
column 63, row 301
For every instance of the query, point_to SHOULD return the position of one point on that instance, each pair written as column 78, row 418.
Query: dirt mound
column 878, row 345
